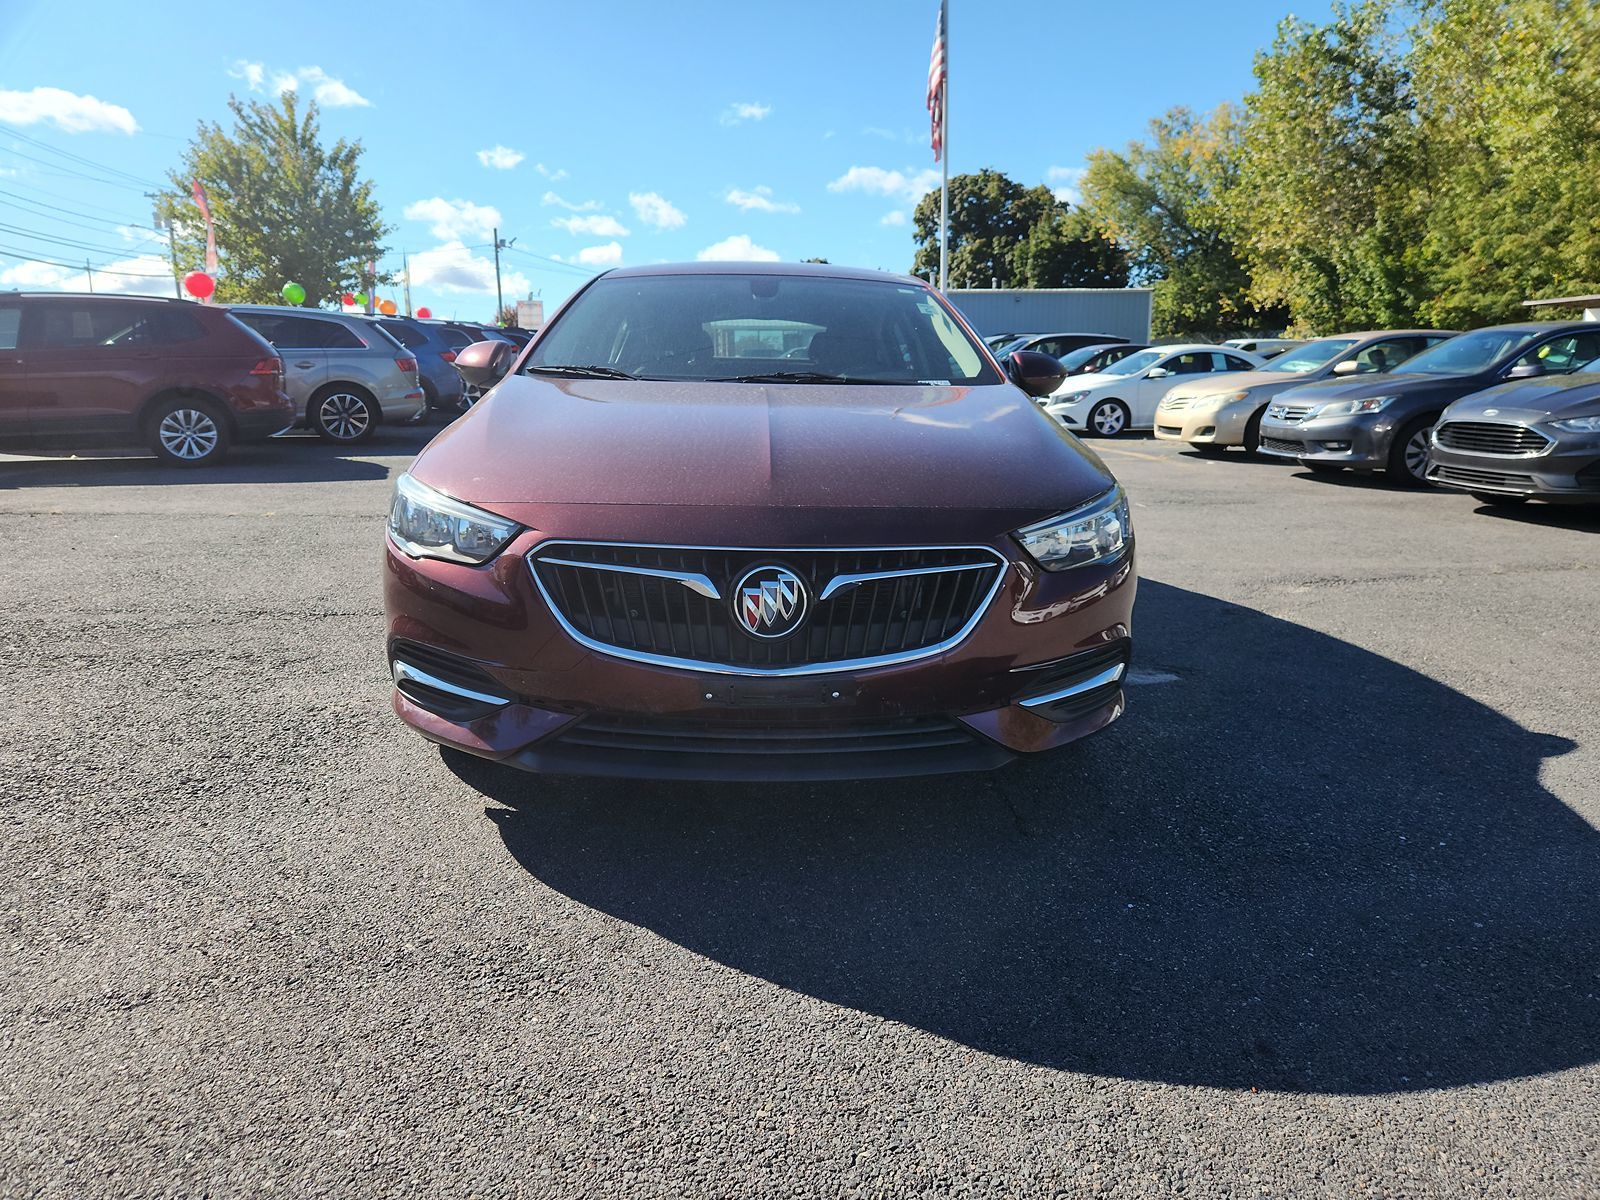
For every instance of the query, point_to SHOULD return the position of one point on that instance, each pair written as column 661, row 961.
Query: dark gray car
column 441, row 382
column 1531, row 439
column 1383, row 424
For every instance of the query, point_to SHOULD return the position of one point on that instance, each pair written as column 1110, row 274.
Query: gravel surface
column 1320, row 915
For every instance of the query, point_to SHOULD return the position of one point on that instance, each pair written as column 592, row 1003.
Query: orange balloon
column 387, row 308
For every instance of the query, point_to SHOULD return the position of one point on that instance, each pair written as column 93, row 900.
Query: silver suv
column 346, row 375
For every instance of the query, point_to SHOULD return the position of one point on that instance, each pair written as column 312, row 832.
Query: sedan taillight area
column 407, row 364
column 268, row 366
column 448, row 355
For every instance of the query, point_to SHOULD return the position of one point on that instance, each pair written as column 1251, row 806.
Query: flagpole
column 944, row 185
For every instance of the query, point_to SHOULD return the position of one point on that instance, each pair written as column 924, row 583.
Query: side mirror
column 1348, row 367
column 1525, row 371
column 1035, row 373
column 1157, row 373
column 483, row 364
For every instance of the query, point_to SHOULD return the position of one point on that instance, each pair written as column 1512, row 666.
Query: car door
column 90, row 361
column 1562, row 354
column 14, row 422
column 299, row 342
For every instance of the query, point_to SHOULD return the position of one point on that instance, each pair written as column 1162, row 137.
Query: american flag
column 936, row 80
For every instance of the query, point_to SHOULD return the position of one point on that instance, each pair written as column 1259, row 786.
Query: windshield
column 1080, row 356
column 1019, row 343
column 1135, row 363
column 1310, row 356
column 814, row 329
column 1469, row 353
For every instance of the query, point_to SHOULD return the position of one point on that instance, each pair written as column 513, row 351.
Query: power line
column 35, row 235
column 555, row 262
column 132, row 187
column 53, row 213
column 50, row 262
column 78, row 158
column 34, row 187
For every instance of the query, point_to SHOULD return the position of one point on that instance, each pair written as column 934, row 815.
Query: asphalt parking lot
column 1320, row 915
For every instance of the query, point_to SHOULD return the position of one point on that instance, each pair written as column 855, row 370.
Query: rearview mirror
column 1348, row 367
column 1525, row 371
column 1035, row 373
column 1157, row 373
column 482, row 364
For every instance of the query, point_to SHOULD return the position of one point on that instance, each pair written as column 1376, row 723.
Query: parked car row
column 188, row 380
column 1508, row 413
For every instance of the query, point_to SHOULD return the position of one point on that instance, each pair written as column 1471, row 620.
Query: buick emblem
column 770, row 602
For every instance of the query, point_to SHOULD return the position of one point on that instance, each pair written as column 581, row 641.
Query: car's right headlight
column 1579, row 424
column 1098, row 531
column 426, row 523
column 1069, row 398
column 1349, row 408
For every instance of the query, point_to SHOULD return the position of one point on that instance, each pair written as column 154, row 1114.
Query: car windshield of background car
column 718, row 327
column 1135, row 363
column 1310, row 356
column 1470, row 352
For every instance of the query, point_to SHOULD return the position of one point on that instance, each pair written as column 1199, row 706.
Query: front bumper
column 1042, row 667
column 1569, row 471
column 1349, row 442
column 1223, row 426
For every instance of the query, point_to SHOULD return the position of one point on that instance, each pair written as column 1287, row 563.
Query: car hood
column 1080, row 383
column 1531, row 400
column 1264, row 383
column 1381, row 385
column 536, row 443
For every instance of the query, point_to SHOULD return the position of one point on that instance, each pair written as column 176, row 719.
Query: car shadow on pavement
column 286, row 460
column 1579, row 517
column 1297, row 865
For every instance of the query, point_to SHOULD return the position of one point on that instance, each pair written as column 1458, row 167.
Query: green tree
column 285, row 206
column 1508, row 104
column 1325, row 206
column 1166, row 202
column 1014, row 236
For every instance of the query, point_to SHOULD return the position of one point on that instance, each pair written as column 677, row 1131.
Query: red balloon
column 424, row 313
column 348, row 298
column 199, row 285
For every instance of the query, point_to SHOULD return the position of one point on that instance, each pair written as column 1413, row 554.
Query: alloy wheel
column 344, row 416
column 1108, row 420
column 190, row 434
column 1416, row 454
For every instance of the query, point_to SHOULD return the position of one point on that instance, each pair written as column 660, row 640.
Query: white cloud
column 896, row 217
column 593, row 225
column 148, row 275
column 587, row 206
column 655, row 211
column 501, row 158
column 325, row 89
column 453, row 268
column 67, row 111
column 608, row 255
column 908, row 185
column 736, row 113
column 759, row 200
column 551, row 173
column 738, row 248
column 1067, row 180
column 453, row 220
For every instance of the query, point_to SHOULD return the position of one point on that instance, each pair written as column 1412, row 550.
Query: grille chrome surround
column 1471, row 477
column 1500, row 438
column 684, row 628
column 1291, row 414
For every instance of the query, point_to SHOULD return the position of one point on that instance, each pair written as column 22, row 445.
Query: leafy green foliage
column 285, row 207
column 1007, row 235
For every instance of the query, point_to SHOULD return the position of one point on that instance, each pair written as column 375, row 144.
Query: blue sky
column 613, row 131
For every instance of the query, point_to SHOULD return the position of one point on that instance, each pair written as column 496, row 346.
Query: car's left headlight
column 1349, row 408
column 1579, row 424
column 426, row 523
column 1098, row 531
column 1069, row 398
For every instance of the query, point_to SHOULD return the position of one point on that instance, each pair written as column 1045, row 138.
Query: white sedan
column 1125, row 395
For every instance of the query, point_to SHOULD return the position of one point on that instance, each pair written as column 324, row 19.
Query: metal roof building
column 1123, row 312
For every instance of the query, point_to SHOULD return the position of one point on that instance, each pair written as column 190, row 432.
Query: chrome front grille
column 1291, row 414
column 675, row 605
column 1490, row 437
column 1282, row 446
column 1470, row 477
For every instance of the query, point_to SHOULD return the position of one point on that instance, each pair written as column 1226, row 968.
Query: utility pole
column 90, row 275
column 405, row 266
column 162, row 222
column 499, row 245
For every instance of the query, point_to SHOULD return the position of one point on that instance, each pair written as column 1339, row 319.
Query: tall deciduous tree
column 1324, row 211
column 1166, row 200
column 286, row 207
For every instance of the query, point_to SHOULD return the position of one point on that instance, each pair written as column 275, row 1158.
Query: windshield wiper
column 583, row 372
column 804, row 377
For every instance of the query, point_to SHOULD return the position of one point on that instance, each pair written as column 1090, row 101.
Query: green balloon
column 361, row 299
column 294, row 293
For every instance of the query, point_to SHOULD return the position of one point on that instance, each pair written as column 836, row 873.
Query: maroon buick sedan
column 757, row 522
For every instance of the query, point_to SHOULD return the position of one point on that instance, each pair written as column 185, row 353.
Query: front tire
column 1252, row 431
column 186, row 431
column 1107, row 419
column 1408, row 453
column 343, row 414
